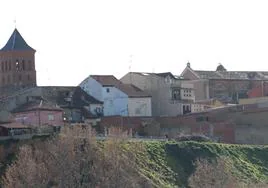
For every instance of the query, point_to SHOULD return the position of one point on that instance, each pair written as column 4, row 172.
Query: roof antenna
column 15, row 23
column 129, row 68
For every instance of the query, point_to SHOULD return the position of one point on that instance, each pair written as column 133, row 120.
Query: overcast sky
column 74, row 39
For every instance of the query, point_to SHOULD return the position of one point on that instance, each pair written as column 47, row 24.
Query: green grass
column 169, row 164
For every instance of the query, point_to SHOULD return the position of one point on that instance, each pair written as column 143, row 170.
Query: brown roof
column 129, row 89
column 40, row 104
column 106, row 80
column 14, row 125
column 132, row 91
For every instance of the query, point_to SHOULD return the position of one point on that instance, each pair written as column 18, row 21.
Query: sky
column 75, row 39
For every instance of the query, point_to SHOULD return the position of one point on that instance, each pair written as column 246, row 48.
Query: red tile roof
column 129, row 89
column 106, row 80
column 132, row 91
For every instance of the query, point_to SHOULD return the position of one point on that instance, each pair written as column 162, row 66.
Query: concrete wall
column 115, row 102
column 161, row 92
column 92, row 87
column 253, row 100
column 140, row 106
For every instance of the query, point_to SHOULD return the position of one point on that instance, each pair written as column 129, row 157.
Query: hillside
column 170, row 164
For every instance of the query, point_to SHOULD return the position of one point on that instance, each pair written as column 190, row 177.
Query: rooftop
column 16, row 42
column 222, row 73
column 106, row 80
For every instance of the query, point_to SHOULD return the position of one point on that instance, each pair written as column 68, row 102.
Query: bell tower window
column 5, row 65
column 17, row 65
column 23, row 64
column 9, row 65
column 29, row 65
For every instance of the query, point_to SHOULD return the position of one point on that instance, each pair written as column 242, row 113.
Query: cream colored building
column 171, row 96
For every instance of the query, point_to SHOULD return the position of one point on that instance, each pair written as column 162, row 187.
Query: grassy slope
column 169, row 164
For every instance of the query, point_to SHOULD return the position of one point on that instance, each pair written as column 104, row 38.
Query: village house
column 118, row 98
column 171, row 95
column 229, row 86
column 37, row 112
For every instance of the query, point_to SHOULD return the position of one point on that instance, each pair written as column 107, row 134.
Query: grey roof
column 16, row 42
column 132, row 91
column 233, row 75
column 165, row 74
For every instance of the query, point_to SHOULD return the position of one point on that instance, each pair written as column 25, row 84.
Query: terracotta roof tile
column 106, row 80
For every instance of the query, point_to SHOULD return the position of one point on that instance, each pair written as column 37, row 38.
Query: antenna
column 15, row 23
column 129, row 68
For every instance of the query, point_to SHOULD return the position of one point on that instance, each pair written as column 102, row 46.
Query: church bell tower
column 17, row 63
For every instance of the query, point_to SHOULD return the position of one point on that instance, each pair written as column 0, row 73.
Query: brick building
column 17, row 64
column 230, row 86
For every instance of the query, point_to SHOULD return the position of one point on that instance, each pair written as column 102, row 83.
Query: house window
column 176, row 94
column 107, row 90
column 51, row 117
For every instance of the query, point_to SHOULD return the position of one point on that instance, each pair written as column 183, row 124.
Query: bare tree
column 76, row 159
column 212, row 174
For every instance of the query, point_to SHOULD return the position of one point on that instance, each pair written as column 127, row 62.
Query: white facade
column 140, row 106
column 115, row 101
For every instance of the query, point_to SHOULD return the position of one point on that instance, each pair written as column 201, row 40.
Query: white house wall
column 140, row 106
column 92, row 87
column 115, row 102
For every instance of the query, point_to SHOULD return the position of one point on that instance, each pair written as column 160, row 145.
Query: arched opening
column 17, row 65
column 23, row 64
column 30, row 65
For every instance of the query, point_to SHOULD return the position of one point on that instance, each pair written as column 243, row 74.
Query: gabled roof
column 16, row 42
column 106, row 80
column 38, row 103
column 72, row 96
column 165, row 74
column 132, row 91
column 222, row 74
column 129, row 89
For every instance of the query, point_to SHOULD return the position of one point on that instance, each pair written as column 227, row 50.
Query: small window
column 23, row 65
column 107, row 90
column 51, row 117
column 29, row 65
column 9, row 65
column 6, row 67
column 17, row 65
